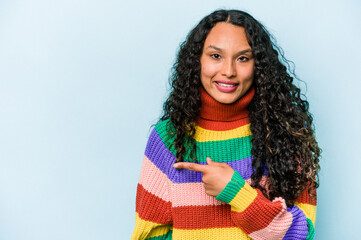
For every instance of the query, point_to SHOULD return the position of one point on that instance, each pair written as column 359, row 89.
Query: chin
column 227, row 100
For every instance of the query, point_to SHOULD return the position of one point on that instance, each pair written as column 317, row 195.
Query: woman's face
column 227, row 63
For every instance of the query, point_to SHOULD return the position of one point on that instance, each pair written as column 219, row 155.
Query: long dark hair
column 283, row 138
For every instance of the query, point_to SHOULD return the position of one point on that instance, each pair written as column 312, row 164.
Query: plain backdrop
column 81, row 83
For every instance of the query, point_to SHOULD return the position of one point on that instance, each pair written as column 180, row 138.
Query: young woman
column 234, row 156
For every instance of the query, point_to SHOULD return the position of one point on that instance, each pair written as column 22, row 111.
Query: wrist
column 232, row 188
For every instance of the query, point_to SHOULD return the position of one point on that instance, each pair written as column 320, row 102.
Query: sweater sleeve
column 261, row 218
column 153, row 218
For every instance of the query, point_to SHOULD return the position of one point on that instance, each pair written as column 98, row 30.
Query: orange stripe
column 259, row 214
column 306, row 198
column 200, row 217
column 222, row 126
column 279, row 225
column 152, row 208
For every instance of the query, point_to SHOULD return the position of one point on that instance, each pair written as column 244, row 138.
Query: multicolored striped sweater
column 172, row 203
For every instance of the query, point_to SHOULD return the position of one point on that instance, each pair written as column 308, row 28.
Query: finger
column 191, row 166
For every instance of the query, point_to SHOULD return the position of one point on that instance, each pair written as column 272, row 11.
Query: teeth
column 226, row 85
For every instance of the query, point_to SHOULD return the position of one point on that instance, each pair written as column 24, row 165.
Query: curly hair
column 283, row 145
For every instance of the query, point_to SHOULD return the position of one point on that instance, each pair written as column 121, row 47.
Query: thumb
column 209, row 161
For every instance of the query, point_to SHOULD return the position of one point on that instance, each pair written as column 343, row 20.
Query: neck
column 218, row 116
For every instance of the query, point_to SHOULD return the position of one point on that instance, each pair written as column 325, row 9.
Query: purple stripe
column 243, row 166
column 298, row 228
column 161, row 157
column 158, row 154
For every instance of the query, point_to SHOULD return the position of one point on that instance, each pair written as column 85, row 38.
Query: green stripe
column 219, row 151
column 232, row 188
column 167, row 236
column 311, row 230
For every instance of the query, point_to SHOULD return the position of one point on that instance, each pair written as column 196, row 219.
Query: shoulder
column 159, row 149
column 161, row 137
column 164, row 127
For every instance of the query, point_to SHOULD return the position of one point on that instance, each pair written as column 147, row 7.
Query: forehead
column 227, row 35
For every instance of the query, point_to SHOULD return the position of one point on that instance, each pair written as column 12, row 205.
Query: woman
column 234, row 155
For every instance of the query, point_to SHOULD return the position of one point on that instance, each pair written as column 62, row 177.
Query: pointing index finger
column 191, row 166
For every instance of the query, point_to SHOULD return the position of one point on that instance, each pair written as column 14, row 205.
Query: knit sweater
column 172, row 203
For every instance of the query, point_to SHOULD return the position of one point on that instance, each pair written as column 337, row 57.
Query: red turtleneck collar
column 220, row 117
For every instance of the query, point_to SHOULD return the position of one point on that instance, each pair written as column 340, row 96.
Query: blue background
column 81, row 82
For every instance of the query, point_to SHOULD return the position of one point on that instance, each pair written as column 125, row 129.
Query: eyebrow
column 240, row 52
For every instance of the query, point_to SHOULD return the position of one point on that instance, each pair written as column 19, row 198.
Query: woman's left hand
column 215, row 175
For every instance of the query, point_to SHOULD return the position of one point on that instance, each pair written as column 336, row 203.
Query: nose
column 228, row 68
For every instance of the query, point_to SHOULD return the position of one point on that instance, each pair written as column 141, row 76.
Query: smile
column 226, row 87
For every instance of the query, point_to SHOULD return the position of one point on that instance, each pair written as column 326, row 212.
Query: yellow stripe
column 204, row 135
column 309, row 210
column 160, row 230
column 243, row 199
column 211, row 233
column 147, row 229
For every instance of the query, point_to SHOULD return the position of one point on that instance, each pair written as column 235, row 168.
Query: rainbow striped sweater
column 172, row 203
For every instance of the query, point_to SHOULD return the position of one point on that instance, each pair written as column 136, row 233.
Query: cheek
column 208, row 70
column 247, row 73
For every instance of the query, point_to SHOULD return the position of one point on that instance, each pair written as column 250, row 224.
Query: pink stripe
column 278, row 227
column 183, row 194
column 154, row 180
column 192, row 194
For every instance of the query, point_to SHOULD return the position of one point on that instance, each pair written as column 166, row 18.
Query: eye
column 243, row 59
column 216, row 56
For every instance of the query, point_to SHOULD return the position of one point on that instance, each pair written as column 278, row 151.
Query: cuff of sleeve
column 232, row 188
column 311, row 230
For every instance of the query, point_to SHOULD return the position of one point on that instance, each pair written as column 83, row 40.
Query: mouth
column 226, row 86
